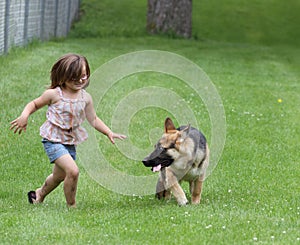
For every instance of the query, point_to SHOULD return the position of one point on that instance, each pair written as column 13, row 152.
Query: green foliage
column 252, row 195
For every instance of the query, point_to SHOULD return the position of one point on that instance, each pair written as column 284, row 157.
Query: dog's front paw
column 182, row 202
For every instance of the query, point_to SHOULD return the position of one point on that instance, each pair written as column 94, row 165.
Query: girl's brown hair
column 68, row 67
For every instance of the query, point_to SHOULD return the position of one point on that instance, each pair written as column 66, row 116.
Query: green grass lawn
column 252, row 196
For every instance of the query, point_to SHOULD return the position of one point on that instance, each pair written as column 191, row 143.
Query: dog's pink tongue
column 156, row 168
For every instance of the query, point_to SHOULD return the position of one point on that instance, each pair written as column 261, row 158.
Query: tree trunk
column 173, row 17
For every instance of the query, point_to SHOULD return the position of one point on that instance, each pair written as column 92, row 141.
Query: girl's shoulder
column 87, row 97
column 52, row 95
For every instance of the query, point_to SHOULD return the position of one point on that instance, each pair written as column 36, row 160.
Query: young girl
column 68, row 105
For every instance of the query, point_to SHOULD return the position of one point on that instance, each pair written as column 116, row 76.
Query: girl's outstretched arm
column 20, row 123
column 98, row 124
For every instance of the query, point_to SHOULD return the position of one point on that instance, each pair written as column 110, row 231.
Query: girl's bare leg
column 51, row 182
column 71, row 170
column 65, row 169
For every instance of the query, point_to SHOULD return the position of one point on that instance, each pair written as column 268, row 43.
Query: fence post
column 69, row 16
column 42, row 19
column 26, row 22
column 6, row 25
column 56, row 18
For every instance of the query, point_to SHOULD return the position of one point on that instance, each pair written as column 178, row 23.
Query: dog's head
column 167, row 148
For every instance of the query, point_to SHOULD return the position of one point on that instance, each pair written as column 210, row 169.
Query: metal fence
column 24, row 20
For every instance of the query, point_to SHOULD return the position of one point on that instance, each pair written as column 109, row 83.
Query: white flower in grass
column 272, row 237
column 208, row 226
column 255, row 239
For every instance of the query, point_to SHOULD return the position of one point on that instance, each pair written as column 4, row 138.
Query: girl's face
column 78, row 84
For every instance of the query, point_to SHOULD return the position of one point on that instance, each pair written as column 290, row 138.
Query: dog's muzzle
column 158, row 159
column 151, row 160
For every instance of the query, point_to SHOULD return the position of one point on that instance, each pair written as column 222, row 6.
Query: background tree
column 170, row 16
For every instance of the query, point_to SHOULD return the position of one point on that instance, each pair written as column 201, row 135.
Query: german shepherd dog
column 180, row 154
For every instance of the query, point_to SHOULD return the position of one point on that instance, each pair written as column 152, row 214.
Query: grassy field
column 260, row 22
column 252, row 196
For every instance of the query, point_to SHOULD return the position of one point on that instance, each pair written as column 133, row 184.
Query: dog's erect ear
column 169, row 125
column 184, row 132
column 182, row 135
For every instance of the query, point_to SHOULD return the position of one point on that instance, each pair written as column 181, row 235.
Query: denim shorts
column 55, row 150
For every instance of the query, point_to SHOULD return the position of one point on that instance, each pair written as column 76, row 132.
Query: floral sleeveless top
column 64, row 119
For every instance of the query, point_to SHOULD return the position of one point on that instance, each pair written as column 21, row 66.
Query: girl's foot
column 39, row 198
column 31, row 196
column 34, row 196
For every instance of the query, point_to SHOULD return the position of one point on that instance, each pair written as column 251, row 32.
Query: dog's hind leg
column 161, row 191
column 196, row 190
column 196, row 185
column 191, row 186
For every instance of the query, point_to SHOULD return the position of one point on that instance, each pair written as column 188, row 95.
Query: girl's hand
column 19, row 125
column 111, row 135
